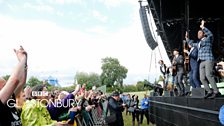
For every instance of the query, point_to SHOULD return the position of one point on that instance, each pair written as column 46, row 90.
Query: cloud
column 100, row 30
column 115, row 3
column 66, row 1
column 12, row 7
column 111, row 3
column 53, row 48
column 60, row 13
column 99, row 16
column 42, row 7
column 60, row 1
column 59, row 51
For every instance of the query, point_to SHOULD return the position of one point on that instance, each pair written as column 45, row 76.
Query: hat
column 116, row 93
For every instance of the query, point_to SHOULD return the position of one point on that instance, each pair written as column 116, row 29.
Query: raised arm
column 207, row 32
column 14, row 82
column 22, row 80
column 189, row 41
column 77, row 88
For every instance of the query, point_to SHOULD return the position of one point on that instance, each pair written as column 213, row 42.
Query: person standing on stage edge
column 206, row 60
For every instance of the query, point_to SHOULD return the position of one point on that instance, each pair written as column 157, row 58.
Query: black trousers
column 135, row 114
column 146, row 113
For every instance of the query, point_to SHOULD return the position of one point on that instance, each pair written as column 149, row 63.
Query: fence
column 91, row 118
column 94, row 117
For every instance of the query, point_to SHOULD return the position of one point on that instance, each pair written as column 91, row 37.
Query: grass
column 140, row 94
column 128, row 120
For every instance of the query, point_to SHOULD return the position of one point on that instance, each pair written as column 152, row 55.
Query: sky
column 63, row 37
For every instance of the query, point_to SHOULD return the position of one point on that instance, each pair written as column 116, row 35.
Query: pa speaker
column 145, row 26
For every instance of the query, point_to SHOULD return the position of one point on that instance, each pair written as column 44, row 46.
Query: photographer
column 134, row 109
column 116, row 108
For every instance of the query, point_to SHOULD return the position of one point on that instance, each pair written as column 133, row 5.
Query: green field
column 128, row 118
column 140, row 94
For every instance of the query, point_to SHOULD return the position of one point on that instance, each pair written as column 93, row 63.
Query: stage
column 185, row 111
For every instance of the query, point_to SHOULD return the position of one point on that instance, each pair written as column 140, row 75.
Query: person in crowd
column 100, row 99
column 65, row 100
column 128, row 101
column 20, row 99
column 194, row 65
column 135, row 113
column 145, row 109
column 62, row 95
column 206, row 60
column 178, row 62
column 34, row 111
column 123, row 97
column 87, row 102
column 114, row 107
column 27, row 92
column 56, row 93
column 82, row 89
column 11, row 88
column 163, row 70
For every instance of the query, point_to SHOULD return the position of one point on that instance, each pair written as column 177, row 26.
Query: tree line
column 113, row 74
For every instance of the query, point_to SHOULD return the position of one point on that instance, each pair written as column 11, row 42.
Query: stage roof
column 173, row 16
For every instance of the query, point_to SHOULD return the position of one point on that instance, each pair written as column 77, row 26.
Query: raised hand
column 186, row 51
column 186, row 35
column 20, row 53
column 202, row 24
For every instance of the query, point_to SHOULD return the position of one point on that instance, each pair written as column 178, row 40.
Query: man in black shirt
column 178, row 62
column 115, row 107
column 9, row 116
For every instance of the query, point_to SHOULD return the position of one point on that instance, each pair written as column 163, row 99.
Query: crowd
column 38, row 106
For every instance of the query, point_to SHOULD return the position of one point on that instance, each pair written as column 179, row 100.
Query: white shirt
column 199, row 44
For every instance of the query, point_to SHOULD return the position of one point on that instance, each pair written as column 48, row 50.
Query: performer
column 206, row 60
column 194, row 65
column 178, row 63
column 163, row 70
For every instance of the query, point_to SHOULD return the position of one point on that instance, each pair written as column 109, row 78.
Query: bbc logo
column 39, row 93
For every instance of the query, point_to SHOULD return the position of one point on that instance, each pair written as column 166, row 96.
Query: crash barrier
column 185, row 111
column 91, row 118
